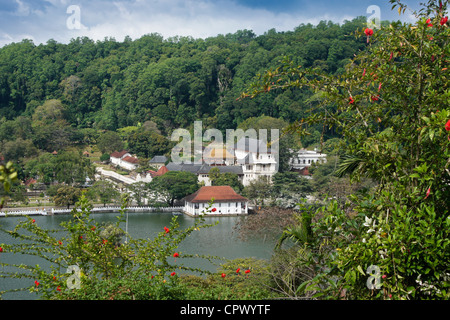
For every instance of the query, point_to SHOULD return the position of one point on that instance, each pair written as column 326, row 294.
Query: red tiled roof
column 219, row 193
column 30, row 181
column 119, row 155
column 161, row 171
column 130, row 160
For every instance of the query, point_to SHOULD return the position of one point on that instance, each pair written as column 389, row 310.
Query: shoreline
column 48, row 211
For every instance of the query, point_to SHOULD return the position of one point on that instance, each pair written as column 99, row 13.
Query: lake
column 220, row 240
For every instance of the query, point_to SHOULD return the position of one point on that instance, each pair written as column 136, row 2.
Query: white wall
column 222, row 208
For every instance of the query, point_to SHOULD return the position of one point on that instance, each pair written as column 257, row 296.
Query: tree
column 174, row 185
column 67, row 196
column 109, row 142
column 72, row 168
column 104, row 191
column 147, row 144
column 391, row 106
column 225, row 179
column 139, row 192
column 259, row 190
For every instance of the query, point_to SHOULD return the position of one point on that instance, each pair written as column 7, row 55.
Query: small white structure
column 116, row 156
column 226, row 202
column 124, row 160
column 256, row 159
column 129, row 163
column 305, row 158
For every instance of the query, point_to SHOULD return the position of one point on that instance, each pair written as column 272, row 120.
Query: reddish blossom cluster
column 447, row 125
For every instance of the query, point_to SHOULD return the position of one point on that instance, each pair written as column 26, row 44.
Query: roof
column 202, row 168
column 219, row 193
column 160, row 172
column 158, row 159
column 119, row 155
column 131, row 160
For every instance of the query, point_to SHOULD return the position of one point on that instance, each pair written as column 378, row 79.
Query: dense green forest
column 107, row 85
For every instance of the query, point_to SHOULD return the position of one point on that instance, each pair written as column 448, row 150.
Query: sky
column 63, row 20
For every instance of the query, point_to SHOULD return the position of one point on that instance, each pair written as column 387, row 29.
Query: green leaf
column 361, row 270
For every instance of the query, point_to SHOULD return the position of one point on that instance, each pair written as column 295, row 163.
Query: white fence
column 115, row 175
column 96, row 209
column 24, row 213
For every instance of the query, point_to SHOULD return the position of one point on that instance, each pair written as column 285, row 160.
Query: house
column 116, row 156
column 150, row 174
column 256, row 159
column 226, row 202
column 124, row 160
column 202, row 170
column 305, row 158
column 129, row 163
column 158, row 161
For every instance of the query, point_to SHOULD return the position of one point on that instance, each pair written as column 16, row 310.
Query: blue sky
column 41, row 20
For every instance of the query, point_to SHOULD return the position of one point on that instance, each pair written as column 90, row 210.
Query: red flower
column 104, row 241
column 429, row 22
column 33, row 221
column 443, row 20
column 368, row 32
column 166, row 229
column 379, row 87
column 374, row 98
column 392, row 54
column 213, row 209
column 58, row 288
column 447, row 125
column 36, row 283
column 364, row 72
column 247, row 271
column 173, row 273
column 238, row 269
column 428, row 193
column 59, row 242
column 351, row 100
column 223, row 275
column 1, row 249
column 176, row 255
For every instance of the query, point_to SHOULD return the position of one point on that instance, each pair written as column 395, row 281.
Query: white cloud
column 22, row 8
column 196, row 18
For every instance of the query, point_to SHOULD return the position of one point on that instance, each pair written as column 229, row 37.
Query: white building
column 305, row 158
column 226, row 202
column 124, row 160
column 256, row 159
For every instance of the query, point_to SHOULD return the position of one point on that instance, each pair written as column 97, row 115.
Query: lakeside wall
column 53, row 211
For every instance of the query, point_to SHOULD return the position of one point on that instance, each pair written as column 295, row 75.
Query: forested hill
column 110, row 84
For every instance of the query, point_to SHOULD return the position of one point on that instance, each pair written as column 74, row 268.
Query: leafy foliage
column 391, row 107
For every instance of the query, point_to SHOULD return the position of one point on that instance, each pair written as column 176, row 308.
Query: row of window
column 298, row 161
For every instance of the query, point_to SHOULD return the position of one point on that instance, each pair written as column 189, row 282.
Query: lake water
column 220, row 240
